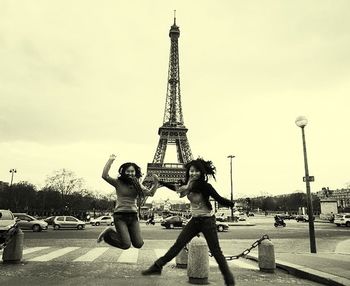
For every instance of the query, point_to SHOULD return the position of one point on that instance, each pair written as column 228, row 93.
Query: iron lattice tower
column 173, row 130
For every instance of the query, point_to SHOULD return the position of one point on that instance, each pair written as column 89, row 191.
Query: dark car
column 220, row 226
column 303, row 218
column 172, row 221
column 284, row 216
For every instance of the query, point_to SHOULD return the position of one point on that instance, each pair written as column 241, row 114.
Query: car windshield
column 30, row 217
column 6, row 215
column 339, row 216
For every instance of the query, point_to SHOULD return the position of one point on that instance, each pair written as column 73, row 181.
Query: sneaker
column 102, row 234
column 153, row 270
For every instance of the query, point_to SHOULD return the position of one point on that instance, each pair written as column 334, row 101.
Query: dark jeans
column 207, row 226
column 127, row 231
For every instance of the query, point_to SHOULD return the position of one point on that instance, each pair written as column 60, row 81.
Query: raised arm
column 213, row 193
column 106, row 168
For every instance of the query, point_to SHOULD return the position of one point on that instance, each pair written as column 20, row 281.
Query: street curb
column 308, row 273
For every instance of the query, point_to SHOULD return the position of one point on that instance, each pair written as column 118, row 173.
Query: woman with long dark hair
column 130, row 193
column 198, row 190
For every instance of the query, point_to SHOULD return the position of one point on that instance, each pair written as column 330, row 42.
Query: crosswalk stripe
column 34, row 249
column 161, row 252
column 129, row 256
column 54, row 254
column 92, row 254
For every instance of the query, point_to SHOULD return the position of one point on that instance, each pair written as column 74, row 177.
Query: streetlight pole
column 12, row 171
column 231, row 157
column 302, row 122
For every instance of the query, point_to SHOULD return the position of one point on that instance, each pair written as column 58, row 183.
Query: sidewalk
column 330, row 268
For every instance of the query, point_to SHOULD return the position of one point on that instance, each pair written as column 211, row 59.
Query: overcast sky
column 80, row 80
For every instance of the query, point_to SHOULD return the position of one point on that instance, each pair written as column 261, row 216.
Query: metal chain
column 246, row 251
column 10, row 233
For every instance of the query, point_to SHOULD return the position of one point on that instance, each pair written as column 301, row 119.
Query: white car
column 67, row 222
column 105, row 219
column 7, row 221
column 342, row 219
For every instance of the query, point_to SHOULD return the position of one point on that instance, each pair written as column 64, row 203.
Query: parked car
column 284, row 216
column 250, row 214
column 342, row 219
column 303, row 218
column 102, row 220
column 7, row 220
column 220, row 226
column 172, row 221
column 26, row 221
column 50, row 220
column 67, row 222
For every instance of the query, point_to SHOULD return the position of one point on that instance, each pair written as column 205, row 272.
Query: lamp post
column 231, row 157
column 12, row 171
column 301, row 122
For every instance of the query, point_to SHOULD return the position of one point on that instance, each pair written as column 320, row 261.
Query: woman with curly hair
column 129, row 191
column 198, row 190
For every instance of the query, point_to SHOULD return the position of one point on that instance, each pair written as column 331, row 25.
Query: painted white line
column 92, row 254
column 54, row 254
column 129, row 256
column 34, row 249
column 161, row 252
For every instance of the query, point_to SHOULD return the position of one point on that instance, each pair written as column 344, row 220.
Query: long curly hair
column 131, row 181
column 206, row 168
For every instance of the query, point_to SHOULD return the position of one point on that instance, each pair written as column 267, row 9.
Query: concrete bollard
column 266, row 254
column 181, row 259
column 198, row 261
column 13, row 251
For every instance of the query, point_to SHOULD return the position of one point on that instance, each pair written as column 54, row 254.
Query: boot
column 153, row 270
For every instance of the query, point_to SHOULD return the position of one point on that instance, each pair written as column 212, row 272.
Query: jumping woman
column 129, row 190
column 198, row 190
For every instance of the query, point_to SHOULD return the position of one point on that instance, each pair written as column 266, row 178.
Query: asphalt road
column 262, row 226
column 294, row 236
column 110, row 266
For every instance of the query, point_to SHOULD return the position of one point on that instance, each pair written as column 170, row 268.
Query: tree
column 65, row 182
column 21, row 196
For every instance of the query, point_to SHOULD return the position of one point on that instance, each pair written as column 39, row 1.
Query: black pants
column 207, row 226
column 127, row 231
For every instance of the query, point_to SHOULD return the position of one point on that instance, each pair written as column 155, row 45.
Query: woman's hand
column 155, row 178
column 112, row 157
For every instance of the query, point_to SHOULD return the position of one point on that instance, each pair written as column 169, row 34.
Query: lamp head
column 301, row 121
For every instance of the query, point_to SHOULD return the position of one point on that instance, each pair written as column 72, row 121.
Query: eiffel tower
column 173, row 130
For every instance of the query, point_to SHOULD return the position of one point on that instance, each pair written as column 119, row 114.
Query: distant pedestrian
column 198, row 190
column 129, row 190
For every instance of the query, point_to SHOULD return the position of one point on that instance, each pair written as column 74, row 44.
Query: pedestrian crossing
column 110, row 254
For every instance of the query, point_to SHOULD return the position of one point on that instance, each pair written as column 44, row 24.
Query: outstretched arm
column 150, row 192
column 222, row 201
column 105, row 175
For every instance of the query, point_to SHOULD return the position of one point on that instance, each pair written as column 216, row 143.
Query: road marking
column 92, row 254
column 54, row 254
column 34, row 249
column 129, row 256
column 161, row 252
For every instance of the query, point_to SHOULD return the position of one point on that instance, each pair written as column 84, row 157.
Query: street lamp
column 301, row 122
column 231, row 157
column 12, row 171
